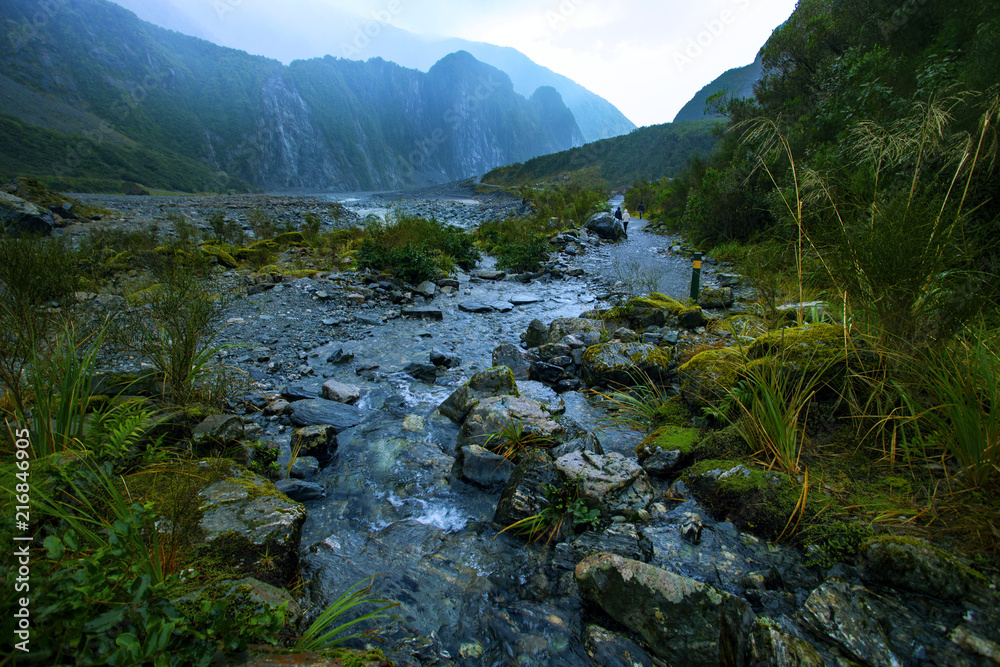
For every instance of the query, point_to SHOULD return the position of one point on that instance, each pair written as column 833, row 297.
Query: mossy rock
column 669, row 438
column 758, row 501
column 623, row 364
column 220, row 256
column 289, row 238
column 496, row 381
column 707, row 377
column 812, row 348
column 246, row 599
column 726, row 443
column 915, row 565
column 251, row 527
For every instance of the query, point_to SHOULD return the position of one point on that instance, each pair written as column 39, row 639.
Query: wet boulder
column 513, row 358
column 707, row 376
column 496, row 381
column 421, row 371
column 613, row 649
column 811, row 348
column 481, row 467
column 916, row 566
column 250, row 526
column 299, row 490
column 526, row 493
column 852, row 619
column 317, row 441
column 319, row 411
column 614, row 484
column 616, row 363
column 759, row 501
column 716, row 297
column 573, row 326
column 621, row 539
column 770, row 646
column 683, row 621
column 491, row 416
column 606, row 227
column 537, row 334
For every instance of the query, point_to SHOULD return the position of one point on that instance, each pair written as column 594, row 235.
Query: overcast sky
column 647, row 57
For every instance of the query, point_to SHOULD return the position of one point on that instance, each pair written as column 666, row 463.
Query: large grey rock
column 611, row 482
column 848, row 616
column 621, row 539
column 513, row 358
column 19, row 217
column 339, row 392
column 248, row 524
column 495, row 414
column 481, row 467
column 606, row 226
column 319, row 411
column 683, row 621
column 475, row 307
column 421, row 371
column 217, row 431
column 496, row 381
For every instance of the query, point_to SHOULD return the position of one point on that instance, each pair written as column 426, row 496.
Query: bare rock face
column 683, row 621
column 606, row 226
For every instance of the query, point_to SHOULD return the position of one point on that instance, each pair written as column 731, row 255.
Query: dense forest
column 646, row 153
column 869, row 148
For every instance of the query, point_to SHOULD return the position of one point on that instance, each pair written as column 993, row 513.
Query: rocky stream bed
column 388, row 393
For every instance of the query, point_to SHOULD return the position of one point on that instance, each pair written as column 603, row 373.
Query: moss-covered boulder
column 270, row 656
column 707, row 377
column 610, row 482
column 247, row 598
column 655, row 310
column 221, row 257
column 620, row 364
column 812, row 348
column 915, row 565
column 248, row 527
column 572, row 326
column 667, row 449
column 496, row 381
column 758, row 501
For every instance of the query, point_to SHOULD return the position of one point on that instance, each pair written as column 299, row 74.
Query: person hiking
column 641, row 209
column 618, row 213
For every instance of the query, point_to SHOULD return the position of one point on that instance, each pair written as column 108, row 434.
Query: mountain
column 738, row 82
column 340, row 34
column 648, row 154
column 104, row 96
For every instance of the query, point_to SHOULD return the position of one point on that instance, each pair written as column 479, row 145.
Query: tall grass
column 964, row 380
column 60, row 386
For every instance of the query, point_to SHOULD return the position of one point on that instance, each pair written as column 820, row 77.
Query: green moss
column 709, row 374
column 289, row 238
column 219, row 255
column 759, row 501
column 907, row 559
column 835, row 542
column 810, row 348
column 670, row 438
column 672, row 413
